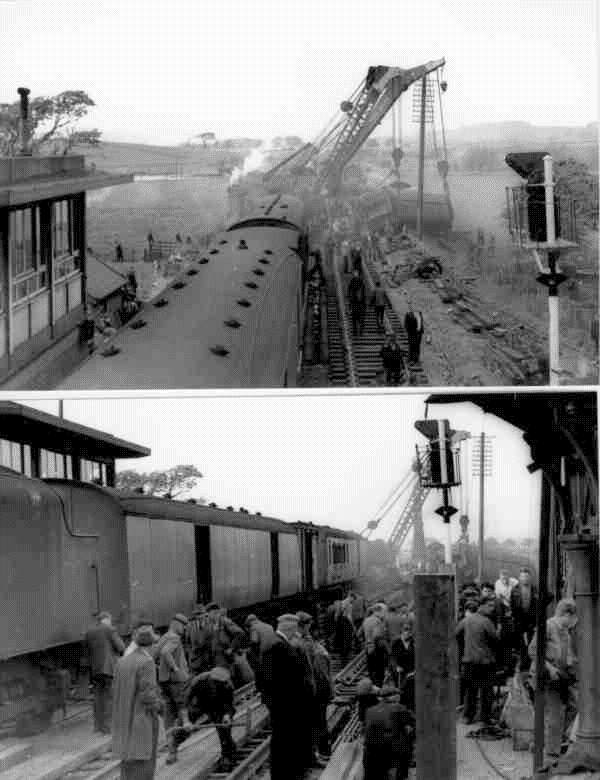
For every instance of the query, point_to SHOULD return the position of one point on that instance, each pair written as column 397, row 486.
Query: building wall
column 42, row 277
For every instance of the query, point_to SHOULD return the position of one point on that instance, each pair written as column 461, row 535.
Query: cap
column 199, row 609
column 213, row 605
column 144, row 636
column 304, row 618
column 250, row 619
column 181, row 619
column 287, row 618
column 364, row 687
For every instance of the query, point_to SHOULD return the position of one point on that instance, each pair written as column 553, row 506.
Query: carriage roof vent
column 220, row 350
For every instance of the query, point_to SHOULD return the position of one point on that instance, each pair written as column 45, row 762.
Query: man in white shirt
column 504, row 585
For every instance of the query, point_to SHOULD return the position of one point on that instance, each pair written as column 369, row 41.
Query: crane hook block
column 444, row 86
column 347, row 106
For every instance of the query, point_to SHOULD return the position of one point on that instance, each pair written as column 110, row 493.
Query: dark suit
column 524, row 618
column 413, row 325
column 105, row 646
column 388, row 741
column 284, row 691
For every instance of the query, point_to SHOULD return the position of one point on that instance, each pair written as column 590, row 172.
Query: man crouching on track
column 388, row 738
column 211, row 694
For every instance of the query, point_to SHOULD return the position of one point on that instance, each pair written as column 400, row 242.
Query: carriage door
column 203, row 569
column 309, row 570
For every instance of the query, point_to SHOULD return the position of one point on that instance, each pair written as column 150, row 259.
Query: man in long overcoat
column 283, row 688
column 136, row 706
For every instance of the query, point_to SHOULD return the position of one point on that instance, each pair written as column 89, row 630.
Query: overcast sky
column 161, row 72
column 324, row 459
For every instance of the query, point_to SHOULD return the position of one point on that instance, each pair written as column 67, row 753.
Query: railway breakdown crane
column 381, row 88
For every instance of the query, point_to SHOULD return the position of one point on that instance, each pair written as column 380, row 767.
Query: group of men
column 497, row 637
column 189, row 675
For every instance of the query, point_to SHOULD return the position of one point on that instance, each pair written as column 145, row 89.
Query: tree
column 293, row 142
column 172, row 483
column 206, row 137
column 53, row 123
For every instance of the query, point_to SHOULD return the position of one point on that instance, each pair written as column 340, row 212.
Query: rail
column 341, row 300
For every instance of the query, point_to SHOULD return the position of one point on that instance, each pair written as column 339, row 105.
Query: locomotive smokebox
column 25, row 123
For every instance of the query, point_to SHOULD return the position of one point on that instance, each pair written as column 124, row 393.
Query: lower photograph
column 343, row 587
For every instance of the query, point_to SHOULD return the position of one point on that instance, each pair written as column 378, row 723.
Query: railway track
column 252, row 744
column 352, row 361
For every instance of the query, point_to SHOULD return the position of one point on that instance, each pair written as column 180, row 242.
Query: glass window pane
column 16, row 456
column 69, row 460
column 27, row 469
column 5, row 453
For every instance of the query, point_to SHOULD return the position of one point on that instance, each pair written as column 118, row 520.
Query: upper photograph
column 227, row 195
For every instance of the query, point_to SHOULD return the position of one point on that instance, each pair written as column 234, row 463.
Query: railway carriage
column 70, row 549
column 236, row 321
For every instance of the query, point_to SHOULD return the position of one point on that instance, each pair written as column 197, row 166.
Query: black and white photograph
column 245, row 195
column 306, row 587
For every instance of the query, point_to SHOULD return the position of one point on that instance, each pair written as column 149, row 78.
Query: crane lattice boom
column 382, row 87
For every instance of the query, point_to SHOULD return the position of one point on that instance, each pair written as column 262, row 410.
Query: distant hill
column 141, row 158
column 524, row 132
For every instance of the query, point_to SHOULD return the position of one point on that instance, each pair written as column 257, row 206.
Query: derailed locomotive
column 70, row 549
column 235, row 320
column 395, row 206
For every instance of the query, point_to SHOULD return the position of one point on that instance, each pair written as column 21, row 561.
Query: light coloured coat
column 136, row 705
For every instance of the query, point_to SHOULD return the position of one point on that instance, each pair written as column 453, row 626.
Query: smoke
column 257, row 159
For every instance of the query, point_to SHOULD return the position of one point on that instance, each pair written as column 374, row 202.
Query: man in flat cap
column 136, row 706
column 283, row 688
column 221, row 635
column 172, row 676
column 261, row 635
column 388, row 737
column 105, row 646
column 195, row 639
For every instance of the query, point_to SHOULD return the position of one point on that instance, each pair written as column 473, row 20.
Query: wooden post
column 540, row 659
column 436, row 676
column 421, row 179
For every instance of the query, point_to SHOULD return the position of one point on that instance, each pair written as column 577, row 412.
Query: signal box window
column 92, row 471
column 28, row 267
column 55, row 465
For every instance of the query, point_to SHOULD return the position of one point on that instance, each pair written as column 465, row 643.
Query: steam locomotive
column 70, row 549
column 235, row 320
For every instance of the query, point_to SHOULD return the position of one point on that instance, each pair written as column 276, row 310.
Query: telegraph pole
column 482, row 468
column 421, row 179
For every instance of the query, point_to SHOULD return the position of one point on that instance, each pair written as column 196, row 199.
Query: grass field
column 165, row 207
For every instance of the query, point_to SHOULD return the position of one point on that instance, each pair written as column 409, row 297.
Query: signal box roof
column 29, row 179
column 22, row 423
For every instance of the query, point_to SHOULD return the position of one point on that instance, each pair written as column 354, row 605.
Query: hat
column 287, row 618
column 389, row 690
column 212, row 606
column 304, row 618
column 199, row 609
column 103, row 615
column 181, row 619
column 250, row 619
column 364, row 687
column 144, row 636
